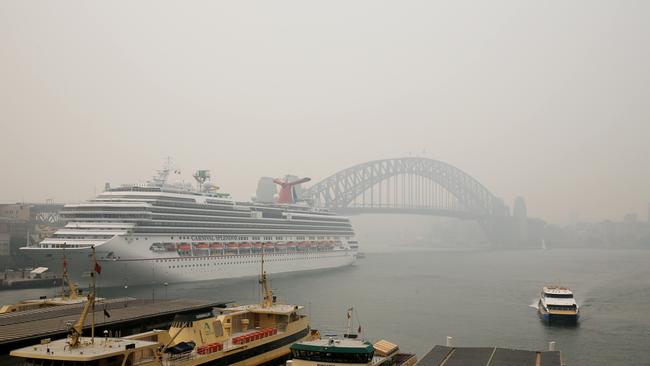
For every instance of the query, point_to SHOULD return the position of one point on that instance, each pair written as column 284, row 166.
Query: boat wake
column 534, row 304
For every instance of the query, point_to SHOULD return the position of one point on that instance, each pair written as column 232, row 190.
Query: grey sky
column 544, row 99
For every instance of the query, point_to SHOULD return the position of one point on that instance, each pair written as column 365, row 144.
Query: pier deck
column 127, row 316
column 488, row 356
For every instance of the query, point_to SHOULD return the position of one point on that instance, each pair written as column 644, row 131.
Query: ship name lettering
column 202, row 237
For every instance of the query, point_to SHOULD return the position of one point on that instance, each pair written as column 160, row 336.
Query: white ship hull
column 130, row 262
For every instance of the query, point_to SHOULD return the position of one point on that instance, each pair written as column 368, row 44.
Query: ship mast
column 77, row 328
column 267, row 293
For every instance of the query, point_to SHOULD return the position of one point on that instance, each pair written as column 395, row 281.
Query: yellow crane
column 77, row 328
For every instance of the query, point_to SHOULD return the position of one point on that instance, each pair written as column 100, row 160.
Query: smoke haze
column 547, row 100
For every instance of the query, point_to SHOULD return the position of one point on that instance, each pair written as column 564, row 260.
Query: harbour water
column 480, row 297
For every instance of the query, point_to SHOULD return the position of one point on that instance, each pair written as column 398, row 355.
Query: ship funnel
column 287, row 193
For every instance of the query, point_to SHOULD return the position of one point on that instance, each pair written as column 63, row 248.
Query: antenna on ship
column 267, row 293
column 160, row 178
column 77, row 328
column 201, row 176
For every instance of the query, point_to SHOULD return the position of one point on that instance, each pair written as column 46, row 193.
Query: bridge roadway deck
column 127, row 315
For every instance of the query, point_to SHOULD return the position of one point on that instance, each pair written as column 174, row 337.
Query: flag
column 98, row 268
column 358, row 331
column 106, row 313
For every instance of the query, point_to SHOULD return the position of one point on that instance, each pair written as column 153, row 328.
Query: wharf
column 127, row 316
column 488, row 356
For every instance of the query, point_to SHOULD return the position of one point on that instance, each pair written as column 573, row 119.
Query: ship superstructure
column 159, row 232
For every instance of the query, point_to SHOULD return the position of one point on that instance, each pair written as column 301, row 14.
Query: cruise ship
column 161, row 233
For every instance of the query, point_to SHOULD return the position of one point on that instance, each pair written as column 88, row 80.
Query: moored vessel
column 350, row 349
column 70, row 294
column 241, row 335
column 557, row 304
column 169, row 232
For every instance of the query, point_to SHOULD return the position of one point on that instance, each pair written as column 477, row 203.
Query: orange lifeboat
column 184, row 247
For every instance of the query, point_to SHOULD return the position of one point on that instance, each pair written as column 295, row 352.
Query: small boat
column 557, row 304
column 70, row 294
column 184, row 247
column 216, row 246
column 202, row 246
column 348, row 350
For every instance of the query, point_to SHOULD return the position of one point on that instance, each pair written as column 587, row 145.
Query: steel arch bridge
column 406, row 185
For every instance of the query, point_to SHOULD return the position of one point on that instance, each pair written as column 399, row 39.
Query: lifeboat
column 269, row 245
column 202, row 246
column 216, row 246
column 184, row 247
column 257, row 245
column 291, row 245
column 245, row 245
column 281, row 245
column 232, row 245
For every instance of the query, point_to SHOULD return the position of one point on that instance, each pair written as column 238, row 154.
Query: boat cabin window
column 559, row 296
column 333, row 357
column 218, row 328
column 561, row 307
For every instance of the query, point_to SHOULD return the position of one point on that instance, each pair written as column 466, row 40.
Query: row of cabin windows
column 333, row 357
column 238, row 262
column 185, row 259
column 235, row 237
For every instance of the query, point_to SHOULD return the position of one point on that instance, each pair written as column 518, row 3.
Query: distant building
column 266, row 190
column 298, row 189
column 5, row 245
column 630, row 218
column 16, row 211
column 519, row 208
column 520, row 215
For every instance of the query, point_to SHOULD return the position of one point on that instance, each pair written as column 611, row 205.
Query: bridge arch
column 339, row 191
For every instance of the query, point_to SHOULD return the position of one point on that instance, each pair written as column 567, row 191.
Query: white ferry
column 158, row 232
column 556, row 304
